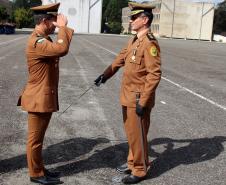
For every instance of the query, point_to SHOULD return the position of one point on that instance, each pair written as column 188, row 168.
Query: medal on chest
column 134, row 52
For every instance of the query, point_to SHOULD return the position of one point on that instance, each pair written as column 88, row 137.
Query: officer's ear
column 44, row 20
column 145, row 20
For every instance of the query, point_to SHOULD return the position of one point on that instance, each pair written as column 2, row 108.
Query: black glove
column 139, row 110
column 99, row 80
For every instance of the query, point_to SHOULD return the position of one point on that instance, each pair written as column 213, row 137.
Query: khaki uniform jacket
column 142, row 73
column 41, row 91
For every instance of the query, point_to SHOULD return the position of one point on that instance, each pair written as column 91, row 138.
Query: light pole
column 200, row 31
column 173, row 18
column 89, row 15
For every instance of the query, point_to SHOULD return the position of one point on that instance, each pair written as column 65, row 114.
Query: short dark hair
column 39, row 17
column 150, row 17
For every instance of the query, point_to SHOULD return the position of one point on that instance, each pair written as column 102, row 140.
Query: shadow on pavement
column 192, row 151
column 177, row 152
column 60, row 152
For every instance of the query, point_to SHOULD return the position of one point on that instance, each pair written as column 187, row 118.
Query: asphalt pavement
column 187, row 137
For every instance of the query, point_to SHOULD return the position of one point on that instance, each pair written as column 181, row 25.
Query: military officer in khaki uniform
column 141, row 62
column 40, row 96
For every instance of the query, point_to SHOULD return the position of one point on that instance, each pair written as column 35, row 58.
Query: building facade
column 7, row 4
column 182, row 19
column 84, row 16
column 125, row 20
column 156, row 17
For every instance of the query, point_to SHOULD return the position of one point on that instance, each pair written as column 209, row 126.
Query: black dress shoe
column 51, row 174
column 123, row 169
column 45, row 180
column 131, row 179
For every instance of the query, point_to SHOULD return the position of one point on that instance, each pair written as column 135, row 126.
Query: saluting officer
column 40, row 96
column 142, row 73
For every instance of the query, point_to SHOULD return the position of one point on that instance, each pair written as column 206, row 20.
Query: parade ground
column 187, row 136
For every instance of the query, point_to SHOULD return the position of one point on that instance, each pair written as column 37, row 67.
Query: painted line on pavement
column 170, row 81
column 99, row 46
column 3, row 43
column 195, row 94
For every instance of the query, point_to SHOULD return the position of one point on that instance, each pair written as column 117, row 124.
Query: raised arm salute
column 40, row 96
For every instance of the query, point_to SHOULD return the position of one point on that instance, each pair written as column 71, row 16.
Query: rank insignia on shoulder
column 153, row 51
column 40, row 40
column 60, row 41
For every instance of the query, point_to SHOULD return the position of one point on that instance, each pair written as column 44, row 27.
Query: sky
column 215, row 1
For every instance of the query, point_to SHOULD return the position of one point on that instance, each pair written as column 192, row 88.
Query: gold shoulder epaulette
column 39, row 40
column 151, row 37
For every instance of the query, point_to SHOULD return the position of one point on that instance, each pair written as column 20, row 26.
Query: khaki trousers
column 136, row 156
column 37, row 125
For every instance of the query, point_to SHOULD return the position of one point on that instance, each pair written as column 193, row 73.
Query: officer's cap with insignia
column 50, row 9
column 137, row 8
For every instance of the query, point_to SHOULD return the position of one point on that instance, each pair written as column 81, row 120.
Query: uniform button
column 56, row 65
column 52, row 91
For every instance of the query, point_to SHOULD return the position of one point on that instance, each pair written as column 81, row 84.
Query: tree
column 219, row 25
column 112, row 14
column 32, row 3
column 26, row 3
column 3, row 13
column 23, row 17
column 22, row 14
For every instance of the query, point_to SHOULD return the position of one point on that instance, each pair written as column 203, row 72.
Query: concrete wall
column 184, row 19
column 207, row 21
column 125, row 19
column 156, row 17
column 83, row 15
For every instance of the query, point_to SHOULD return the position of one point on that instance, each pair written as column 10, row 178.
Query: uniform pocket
column 49, row 98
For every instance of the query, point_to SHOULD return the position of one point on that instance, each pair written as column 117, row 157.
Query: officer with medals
column 40, row 96
column 141, row 61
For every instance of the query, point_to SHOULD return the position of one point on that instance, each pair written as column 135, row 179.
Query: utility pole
column 174, row 6
column 200, row 31
column 89, row 15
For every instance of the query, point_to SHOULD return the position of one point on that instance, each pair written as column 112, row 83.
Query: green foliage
column 22, row 14
column 222, row 5
column 3, row 13
column 219, row 25
column 23, row 17
column 115, row 27
column 112, row 13
column 26, row 3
